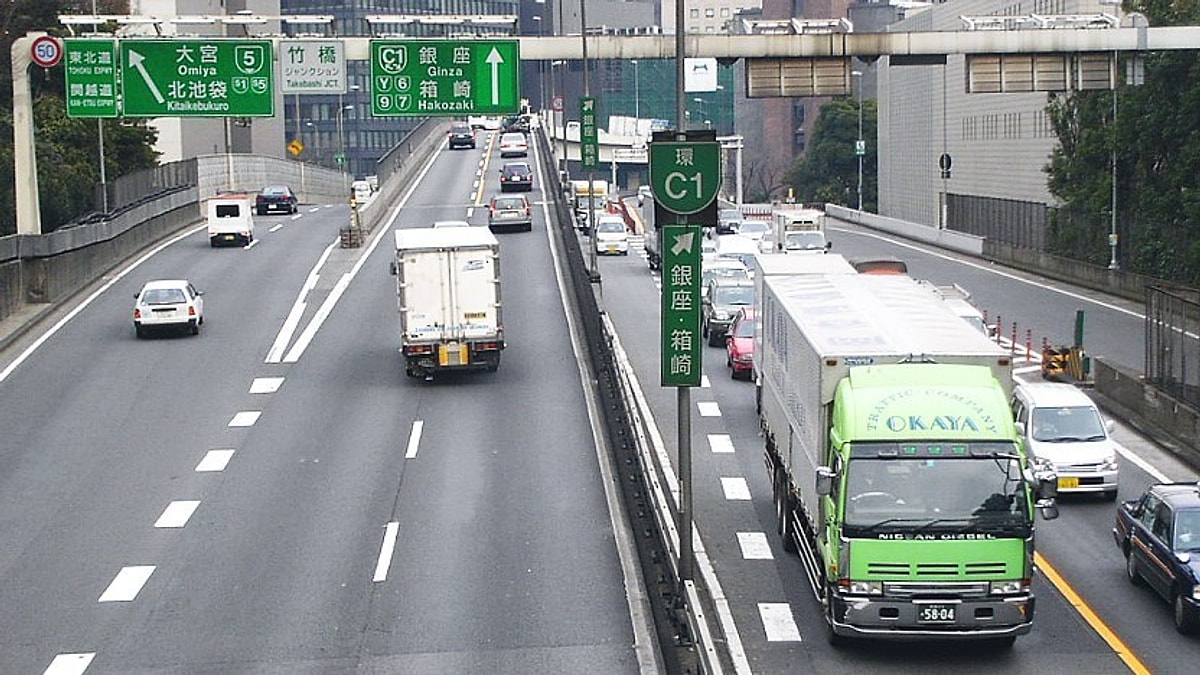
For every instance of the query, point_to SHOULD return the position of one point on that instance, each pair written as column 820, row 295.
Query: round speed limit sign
column 46, row 51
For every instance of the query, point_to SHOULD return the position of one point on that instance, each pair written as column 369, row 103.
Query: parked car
column 461, row 135
column 739, row 344
column 1159, row 533
column 509, row 212
column 168, row 303
column 718, row 307
column 516, row 177
column 276, row 198
column 513, row 145
column 612, row 236
column 1062, row 426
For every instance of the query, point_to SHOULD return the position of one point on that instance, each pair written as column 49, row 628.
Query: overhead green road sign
column 90, row 69
column 445, row 77
column 685, row 176
column 197, row 78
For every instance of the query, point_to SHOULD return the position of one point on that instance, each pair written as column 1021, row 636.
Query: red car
column 739, row 344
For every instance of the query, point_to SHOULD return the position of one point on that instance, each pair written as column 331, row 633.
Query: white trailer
column 448, row 298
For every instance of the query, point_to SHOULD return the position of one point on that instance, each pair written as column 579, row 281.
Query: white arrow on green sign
column 681, row 339
column 445, row 77
column 197, row 78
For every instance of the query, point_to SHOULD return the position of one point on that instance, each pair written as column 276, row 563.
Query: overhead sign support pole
column 684, row 394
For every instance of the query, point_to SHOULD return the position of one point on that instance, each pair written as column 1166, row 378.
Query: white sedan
column 612, row 237
column 168, row 303
column 513, row 145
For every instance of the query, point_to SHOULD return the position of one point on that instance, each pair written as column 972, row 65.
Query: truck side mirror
column 828, row 245
column 824, row 480
column 1048, row 508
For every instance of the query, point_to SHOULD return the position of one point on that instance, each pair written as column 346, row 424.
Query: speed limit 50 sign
column 46, row 51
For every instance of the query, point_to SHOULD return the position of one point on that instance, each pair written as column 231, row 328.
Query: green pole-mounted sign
column 197, row 78
column 589, row 140
column 681, row 339
column 685, row 176
column 445, row 77
column 90, row 69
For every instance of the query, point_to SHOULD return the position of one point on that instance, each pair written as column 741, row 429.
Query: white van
column 1060, row 424
column 361, row 190
column 230, row 219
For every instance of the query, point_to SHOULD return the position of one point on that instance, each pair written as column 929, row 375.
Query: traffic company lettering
column 973, row 419
column 900, row 423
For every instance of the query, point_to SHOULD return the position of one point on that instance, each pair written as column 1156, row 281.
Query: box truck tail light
column 418, row 349
column 487, row 346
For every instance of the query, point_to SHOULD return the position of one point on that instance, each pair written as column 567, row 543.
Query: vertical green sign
column 589, row 144
column 197, row 78
column 445, row 77
column 90, row 68
column 681, row 340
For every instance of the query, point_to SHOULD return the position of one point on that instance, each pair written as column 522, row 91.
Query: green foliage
column 828, row 171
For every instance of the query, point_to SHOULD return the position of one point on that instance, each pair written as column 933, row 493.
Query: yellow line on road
column 1089, row 615
column 483, row 170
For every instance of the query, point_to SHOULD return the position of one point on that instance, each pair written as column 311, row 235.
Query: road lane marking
column 735, row 488
column 246, row 418
column 127, row 584
column 1141, row 463
column 215, row 460
column 720, row 444
column 70, row 664
column 414, row 439
column 1115, row 643
column 275, row 228
column 177, row 513
column 778, row 622
column 754, row 546
column 266, row 385
column 385, row 552
column 704, row 382
column 709, row 408
column 297, row 215
column 297, row 311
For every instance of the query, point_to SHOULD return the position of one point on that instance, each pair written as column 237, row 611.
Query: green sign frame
column 681, row 340
column 90, row 71
column 197, row 78
column 589, row 139
column 685, row 176
column 442, row 78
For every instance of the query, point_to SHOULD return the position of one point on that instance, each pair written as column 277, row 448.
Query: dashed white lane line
column 177, row 513
column 246, row 418
column 276, row 227
column 297, row 215
column 778, row 622
column 704, row 382
column 736, row 488
column 709, row 408
column 128, row 583
column 70, row 664
column 385, row 552
column 266, row 385
column 215, row 460
column 720, row 444
column 414, row 439
column 754, row 546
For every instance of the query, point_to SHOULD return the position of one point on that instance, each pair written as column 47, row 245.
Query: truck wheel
column 782, row 508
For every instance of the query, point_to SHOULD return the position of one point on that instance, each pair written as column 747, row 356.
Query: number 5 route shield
column 197, row 78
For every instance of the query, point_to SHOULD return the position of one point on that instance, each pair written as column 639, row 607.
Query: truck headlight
column 1011, row 587
column 865, row 588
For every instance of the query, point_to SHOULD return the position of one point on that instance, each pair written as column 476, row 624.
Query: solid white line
column 736, row 488
column 246, row 418
column 414, row 439
column 215, row 460
column 708, row 408
column 1141, row 463
column 778, row 622
column 297, row 312
column 70, row 664
column 89, row 299
column 385, row 552
column 177, row 513
column 128, row 583
column 276, row 227
column 266, row 385
column 754, row 546
column 252, row 244
column 704, row 382
column 720, row 444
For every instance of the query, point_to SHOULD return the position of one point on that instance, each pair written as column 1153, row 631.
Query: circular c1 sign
column 46, row 51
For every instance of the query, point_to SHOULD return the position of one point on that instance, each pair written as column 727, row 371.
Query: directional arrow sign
column 681, row 338
column 445, row 77
column 197, row 78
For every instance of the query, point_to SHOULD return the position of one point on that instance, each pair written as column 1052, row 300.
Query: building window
column 695, row 13
column 709, row 13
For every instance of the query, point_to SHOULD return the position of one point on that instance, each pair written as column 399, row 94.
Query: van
column 361, row 190
column 1061, row 425
column 230, row 219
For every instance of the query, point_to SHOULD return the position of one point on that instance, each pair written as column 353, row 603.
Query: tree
column 828, row 172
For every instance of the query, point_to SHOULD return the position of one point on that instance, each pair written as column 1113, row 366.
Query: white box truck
column 230, row 219
column 448, row 298
column 897, row 470
column 796, row 229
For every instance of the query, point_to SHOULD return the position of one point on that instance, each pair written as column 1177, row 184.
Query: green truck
column 898, row 473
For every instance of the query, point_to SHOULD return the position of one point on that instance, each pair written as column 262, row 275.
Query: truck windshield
column 804, row 240
column 935, row 496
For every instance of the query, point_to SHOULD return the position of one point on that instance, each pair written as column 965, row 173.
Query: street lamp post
column 859, row 146
column 540, row 69
column 637, row 99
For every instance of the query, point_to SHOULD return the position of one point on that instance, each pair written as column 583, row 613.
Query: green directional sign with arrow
column 445, row 77
column 681, row 356
column 197, row 78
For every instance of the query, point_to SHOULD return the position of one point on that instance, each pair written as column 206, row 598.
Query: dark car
column 728, row 221
column 516, row 177
column 461, row 135
column 718, row 307
column 516, row 123
column 276, row 199
column 1159, row 533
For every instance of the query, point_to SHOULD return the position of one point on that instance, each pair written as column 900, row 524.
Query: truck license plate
column 936, row 613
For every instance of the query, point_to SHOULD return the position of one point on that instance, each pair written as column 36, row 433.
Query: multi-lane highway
column 275, row 496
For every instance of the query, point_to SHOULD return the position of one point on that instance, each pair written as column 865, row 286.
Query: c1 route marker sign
column 197, row 78
column 445, row 77
column 685, row 176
